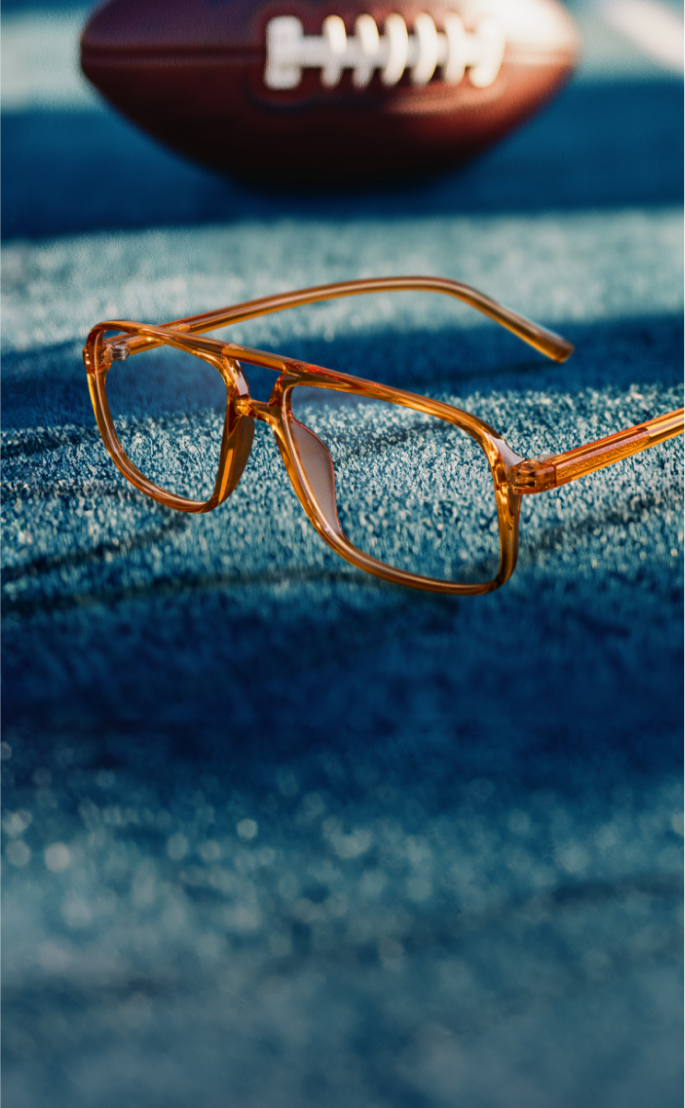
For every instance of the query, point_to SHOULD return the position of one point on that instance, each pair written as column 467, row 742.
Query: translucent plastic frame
column 307, row 460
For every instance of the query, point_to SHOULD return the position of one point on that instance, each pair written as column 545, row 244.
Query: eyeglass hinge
column 533, row 475
column 119, row 351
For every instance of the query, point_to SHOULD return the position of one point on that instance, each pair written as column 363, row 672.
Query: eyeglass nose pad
column 241, row 447
column 318, row 467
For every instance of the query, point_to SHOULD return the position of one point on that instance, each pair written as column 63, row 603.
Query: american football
column 293, row 93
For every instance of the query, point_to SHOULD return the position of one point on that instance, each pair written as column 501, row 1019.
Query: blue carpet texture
column 275, row 832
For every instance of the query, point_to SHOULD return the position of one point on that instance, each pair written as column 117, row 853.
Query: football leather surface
column 325, row 93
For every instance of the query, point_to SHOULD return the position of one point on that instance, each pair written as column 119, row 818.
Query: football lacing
column 453, row 50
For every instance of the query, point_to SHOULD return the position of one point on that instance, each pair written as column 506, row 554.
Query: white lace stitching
column 453, row 51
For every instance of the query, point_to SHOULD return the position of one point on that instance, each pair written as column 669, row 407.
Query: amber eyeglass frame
column 307, row 460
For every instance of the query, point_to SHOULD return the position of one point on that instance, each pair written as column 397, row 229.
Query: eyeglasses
column 412, row 490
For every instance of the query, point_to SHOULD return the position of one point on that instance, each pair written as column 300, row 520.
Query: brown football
column 290, row 92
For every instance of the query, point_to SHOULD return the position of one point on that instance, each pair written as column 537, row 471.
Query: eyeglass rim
column 514, row 477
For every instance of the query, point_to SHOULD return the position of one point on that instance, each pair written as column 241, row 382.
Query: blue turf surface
column 326, row 841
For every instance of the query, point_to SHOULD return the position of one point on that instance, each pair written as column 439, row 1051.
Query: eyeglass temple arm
column 543, row 340
column 539, row 475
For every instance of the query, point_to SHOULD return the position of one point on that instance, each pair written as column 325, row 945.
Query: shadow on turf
column 194, row 654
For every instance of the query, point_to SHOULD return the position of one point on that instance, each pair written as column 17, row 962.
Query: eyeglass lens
column 413, row 491
column 168, row 409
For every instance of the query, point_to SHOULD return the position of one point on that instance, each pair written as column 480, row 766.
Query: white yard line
column 580, row 267
column 40, row 62
column 655, row 28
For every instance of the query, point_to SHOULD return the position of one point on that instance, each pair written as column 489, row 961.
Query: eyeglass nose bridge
column 315, row 484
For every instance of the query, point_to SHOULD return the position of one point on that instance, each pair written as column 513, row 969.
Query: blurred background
column 278, row 833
